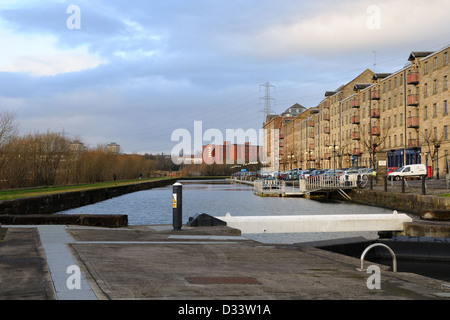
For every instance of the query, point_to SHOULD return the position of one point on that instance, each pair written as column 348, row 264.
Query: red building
column 230, row 153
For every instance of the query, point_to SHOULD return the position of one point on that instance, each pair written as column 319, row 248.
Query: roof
column 360, row 86
column 380, row 75
column 419, row 54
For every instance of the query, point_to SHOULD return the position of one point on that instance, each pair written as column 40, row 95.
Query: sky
column 133, row 72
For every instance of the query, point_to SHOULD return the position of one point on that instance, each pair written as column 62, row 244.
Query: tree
column 433, row 142
column 8, row 130
column 372, row 143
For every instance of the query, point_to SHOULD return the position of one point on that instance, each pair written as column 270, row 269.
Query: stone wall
column 404, row 202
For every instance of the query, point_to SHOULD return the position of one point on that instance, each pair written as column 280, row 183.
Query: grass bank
column 33, row 192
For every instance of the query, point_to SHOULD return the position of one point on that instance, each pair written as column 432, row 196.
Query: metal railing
column 394, row 258
column 334, row 182
column 310, row 184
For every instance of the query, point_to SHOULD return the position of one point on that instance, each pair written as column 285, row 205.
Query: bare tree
column 372, row 143
column 8, row 130
column 432, row 142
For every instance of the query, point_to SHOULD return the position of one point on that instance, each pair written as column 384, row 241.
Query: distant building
column 77, row 146
column 113, row 148
column 231, row 153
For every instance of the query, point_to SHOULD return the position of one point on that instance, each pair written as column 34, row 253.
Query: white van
column 411, row 170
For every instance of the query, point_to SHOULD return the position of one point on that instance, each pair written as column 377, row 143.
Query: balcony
column 376, row 131
column 375, row 95
column 356, row 135
column 357, row 152
column 327, row 156
column 413, row 78
column 326, row 130
column 413, row 100
column 413, row 143
column 326, row 144
column 311, row 135
column 311, row 123
column 412, row 122
column 356, row 120
column 312, row 146
column 375, row 113
column 356, row 103
column 326, row 117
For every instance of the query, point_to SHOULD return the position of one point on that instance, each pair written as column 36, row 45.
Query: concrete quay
column 197, row 263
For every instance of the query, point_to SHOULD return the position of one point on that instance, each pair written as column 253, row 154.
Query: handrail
column 394, row 259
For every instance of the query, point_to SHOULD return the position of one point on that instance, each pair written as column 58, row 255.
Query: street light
column 437, row 146
column 291, row 157
column 334, row 148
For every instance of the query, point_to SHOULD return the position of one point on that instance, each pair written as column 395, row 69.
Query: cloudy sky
column 132, row 72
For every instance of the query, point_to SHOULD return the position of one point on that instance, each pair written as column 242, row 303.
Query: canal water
column 219, row 197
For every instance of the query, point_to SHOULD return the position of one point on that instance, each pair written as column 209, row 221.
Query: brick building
column 403, row 114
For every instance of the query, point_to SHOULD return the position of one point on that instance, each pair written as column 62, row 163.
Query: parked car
column 305, row 174
column 317, row 174
column 411, row 170
column 391, row 169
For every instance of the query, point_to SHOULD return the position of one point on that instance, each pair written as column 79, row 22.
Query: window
column 435, row 86
column 395, row 120
column 445, row 107
column 435, row 63
column 425, row 110
column 445, row 58
column 401, row 118
column 445, row 83
column 445, row 132
column 425, row 67
column 435, row 133
column 435, row 110
column 425, row 90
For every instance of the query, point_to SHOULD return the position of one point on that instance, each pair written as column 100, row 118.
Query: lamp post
column 437, row 146
column 291, row 158
column 334, row 148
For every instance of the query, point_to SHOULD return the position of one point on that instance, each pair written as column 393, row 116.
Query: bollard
column 403, row 184
column 371, row 182
column 385, row 183
column 177, row 206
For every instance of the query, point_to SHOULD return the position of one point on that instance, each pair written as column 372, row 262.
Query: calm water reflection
column 217, row 198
